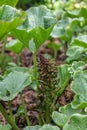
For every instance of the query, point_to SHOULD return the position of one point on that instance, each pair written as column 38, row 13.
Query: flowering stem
column 48, row 114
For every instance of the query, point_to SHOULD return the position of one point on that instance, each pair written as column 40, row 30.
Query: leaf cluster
column 31, row 29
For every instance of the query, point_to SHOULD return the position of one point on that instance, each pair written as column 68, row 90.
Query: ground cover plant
column 31, row 29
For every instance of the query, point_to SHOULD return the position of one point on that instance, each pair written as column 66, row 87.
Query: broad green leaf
column 76, row 122
column 10, row 18
column 65, row 28
column 63, row 75
column 72, row 27
column 40, row 16
column 19, row 69
column 59, row 29
column 59, row 118
column 8, row 2
column 78, row 13
column 32, row 46
column 32, row 127
column 68, row 110
column 73, row 14
column 78, row 103
column 12, row 84
column 23, row 70
column 49, row 127
column 5, row 127
column 64, row 114
column 76, row 66
column 81, row 41
column 15, row 46
column 38, row 26
column 74, row 53
column 79, row 86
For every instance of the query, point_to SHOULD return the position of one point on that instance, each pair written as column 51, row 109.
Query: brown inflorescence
column 48, row 82
column 47, row 72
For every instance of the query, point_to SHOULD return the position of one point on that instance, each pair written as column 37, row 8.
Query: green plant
column 6, row 127
column 35, row 30
column 8, row 2
column 8, row 21
column 9, row 91
column 9, row 88
column 16, row 46
column 31, row 29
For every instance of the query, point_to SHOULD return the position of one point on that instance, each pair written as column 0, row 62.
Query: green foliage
column 74, row 53
column 59, row 118
column 65, row 115
column 76, row 66
column 81, row 41
column 38, row 26
column 6, row 127
column 78, row 13
column 77, row 121
column 44, row 127
column 32, row 46
column 32, row 28
column 10, row 18
column 65, row 28
column 15, row 46
column 79, row 87
column 48, row 127
column 12, row 84
column 64, row 77
column 32, row 127
column 8, row 2
column 68, row 110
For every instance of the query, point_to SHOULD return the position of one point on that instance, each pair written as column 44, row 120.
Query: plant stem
column 9, row 120
column 35, row 69
column 25, row 111
column 48, row 118
column 4, row 44
column 3, row 50
column 19, row 60
column 41, row 119
column 55, row 54
column 9, row 105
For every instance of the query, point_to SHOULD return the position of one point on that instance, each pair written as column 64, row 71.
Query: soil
column 29, row 95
